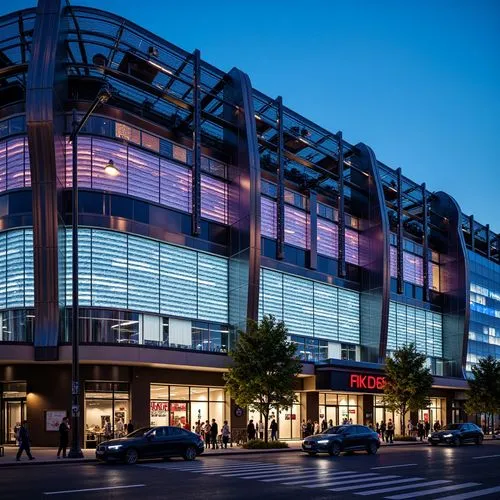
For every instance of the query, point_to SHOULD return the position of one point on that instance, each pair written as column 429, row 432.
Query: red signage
column 359, row 381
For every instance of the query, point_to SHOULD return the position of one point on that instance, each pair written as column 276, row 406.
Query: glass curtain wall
column 340, row 408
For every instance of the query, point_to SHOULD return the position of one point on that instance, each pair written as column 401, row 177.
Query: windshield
column 339, row 429
column 139, row 432
column 452, row 427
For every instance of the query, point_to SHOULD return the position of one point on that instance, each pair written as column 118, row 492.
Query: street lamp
column 102, row 97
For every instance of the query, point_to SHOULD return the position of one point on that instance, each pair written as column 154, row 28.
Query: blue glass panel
column 212, row 288
column 29, row 282
column 298, row 305
column 15, row 269
column 326, row 312
column 348, row 307
column 272, row 294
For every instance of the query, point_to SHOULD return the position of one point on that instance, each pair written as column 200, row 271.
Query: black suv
column 342, row 438
column 457, row 434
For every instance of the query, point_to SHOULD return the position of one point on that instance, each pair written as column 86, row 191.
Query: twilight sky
column 418, row 81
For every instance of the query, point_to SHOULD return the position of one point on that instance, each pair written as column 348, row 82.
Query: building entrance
column 14, row 413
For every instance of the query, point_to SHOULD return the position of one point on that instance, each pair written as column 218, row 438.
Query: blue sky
column 418, row 81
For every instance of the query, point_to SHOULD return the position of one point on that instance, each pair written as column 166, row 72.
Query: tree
column 408, row 382
column 263, row 368
column 484, row 396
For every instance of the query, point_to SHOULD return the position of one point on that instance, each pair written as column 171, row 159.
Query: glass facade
column 340, row 408
column 484, row 328
column 412, row 325
column 118, row 270
column 15, row 170
column 310, row 308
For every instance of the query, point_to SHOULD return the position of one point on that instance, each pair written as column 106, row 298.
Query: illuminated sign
column 360, row 381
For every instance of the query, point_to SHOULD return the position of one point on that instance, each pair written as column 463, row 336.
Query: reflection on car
column 152, row 442
column 457, row 434
column 342, row 438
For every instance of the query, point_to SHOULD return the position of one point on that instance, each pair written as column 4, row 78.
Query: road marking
column 357, row 485
column 346, row 479
column 391, row 466
column 473, row 494
column 293, row 475
column 256, row 473
column 308, row 480
column 406, row 487
column 94, row 489
column 485, row 456
column 435, row 490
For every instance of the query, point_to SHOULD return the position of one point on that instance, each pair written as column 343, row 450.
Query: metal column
column 341, row 209
column 196, row 176
column 280, row 206
column 400, row 264
column 425, row 243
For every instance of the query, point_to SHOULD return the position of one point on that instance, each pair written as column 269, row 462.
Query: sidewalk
column 48, row 455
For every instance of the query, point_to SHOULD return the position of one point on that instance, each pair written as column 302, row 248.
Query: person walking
column 130, row 427
column 274, row 430
column 390, row 432
column 63, row 437
column 208, row 434
column 251, row 430
column 421, row 430
column 427, row 428
column 323, row 425
column 214, row 432
column 225, row 434
column 24, row 442
column 383, row 429
column 309, row 428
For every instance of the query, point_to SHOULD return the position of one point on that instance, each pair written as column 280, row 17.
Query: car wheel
column 479, row 440
column 131, row 456
column 456, row 441
column 334, row 450
column 372, row 448
column 189, row 454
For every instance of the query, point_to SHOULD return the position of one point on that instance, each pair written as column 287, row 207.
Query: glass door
column 14, row 412
column 179, row 411
column 332, row 414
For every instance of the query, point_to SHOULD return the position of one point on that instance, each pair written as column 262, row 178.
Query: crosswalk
column 390, row 485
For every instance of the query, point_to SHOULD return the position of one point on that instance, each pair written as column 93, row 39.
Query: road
column 395, row 473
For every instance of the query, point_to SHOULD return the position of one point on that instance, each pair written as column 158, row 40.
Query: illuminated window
column 179, row 153
column 127, row 133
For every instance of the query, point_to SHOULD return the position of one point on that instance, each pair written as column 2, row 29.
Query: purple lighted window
column 268, row 217
column 16, row 162
column 328, row 238
column 296, row 222
column 143, row 174
column 102, row 152
column 351, row 246
column 84, row 163
column 3, row 165
column 413, row 269
column 394, row 262
column 175, row 185
column 213, row 199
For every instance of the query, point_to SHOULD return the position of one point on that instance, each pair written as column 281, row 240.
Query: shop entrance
column 14, row 413
column 179, row 411
column 332, row 413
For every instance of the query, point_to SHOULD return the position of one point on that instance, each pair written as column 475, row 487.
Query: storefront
column 13, row 408
column 183, row 406
column 340, row 408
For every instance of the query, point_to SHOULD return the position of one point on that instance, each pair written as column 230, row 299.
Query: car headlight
column 115, row 447
column 448, row 435
column 323, row 441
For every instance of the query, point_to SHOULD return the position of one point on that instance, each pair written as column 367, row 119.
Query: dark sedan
column 457, row 434
column 342, row 438
column 152, row 442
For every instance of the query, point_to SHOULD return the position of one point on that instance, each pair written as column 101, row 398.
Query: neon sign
column 359, row 381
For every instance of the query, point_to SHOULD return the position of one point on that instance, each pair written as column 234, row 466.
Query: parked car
column 342, row 438
column 457, row 434
column 151, row 442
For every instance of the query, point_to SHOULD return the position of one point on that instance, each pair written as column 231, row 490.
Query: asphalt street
column 397, row 473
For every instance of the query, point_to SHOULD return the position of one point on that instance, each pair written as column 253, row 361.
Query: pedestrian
column 24, row 442
column 225, row 434
column 316, row 427
column 251, row 430
column 130, row 427
column 390, row 432
column 383, row 429
column 214, row 432
column 330, row 423
column 427, row 428
column 208, row 434
column 304, row 429
column 437, row 426
column 197, row 427
column 63, row 437
column 309, row 428
column 377, row 429
column 108, row 431
column 261, row 430
column 323, row 425
column 421, row 430
column 274, row 430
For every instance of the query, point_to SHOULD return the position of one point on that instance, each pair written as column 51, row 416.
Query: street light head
column 104, row 94
column 111, row 169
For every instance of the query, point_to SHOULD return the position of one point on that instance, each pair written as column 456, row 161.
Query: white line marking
column 354, row 477
column 435, row 490
column 485, row 456
column 256, row 473
column 391, row 466
column 407, row 487
column 95, row 489
column 291, row 475
column 308, row 480
column 358, row 486
column 473, row 494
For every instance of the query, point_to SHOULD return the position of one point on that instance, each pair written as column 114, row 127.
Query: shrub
column 258, row 444
column 404, row 438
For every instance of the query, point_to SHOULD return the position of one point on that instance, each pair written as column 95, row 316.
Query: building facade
column 226, row 206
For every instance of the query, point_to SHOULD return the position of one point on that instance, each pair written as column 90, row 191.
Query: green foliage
column 484, row 396
column 408, row 382
column 258, row 444
column 262, row 375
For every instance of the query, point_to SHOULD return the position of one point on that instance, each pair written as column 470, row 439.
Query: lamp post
column 75, row 451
